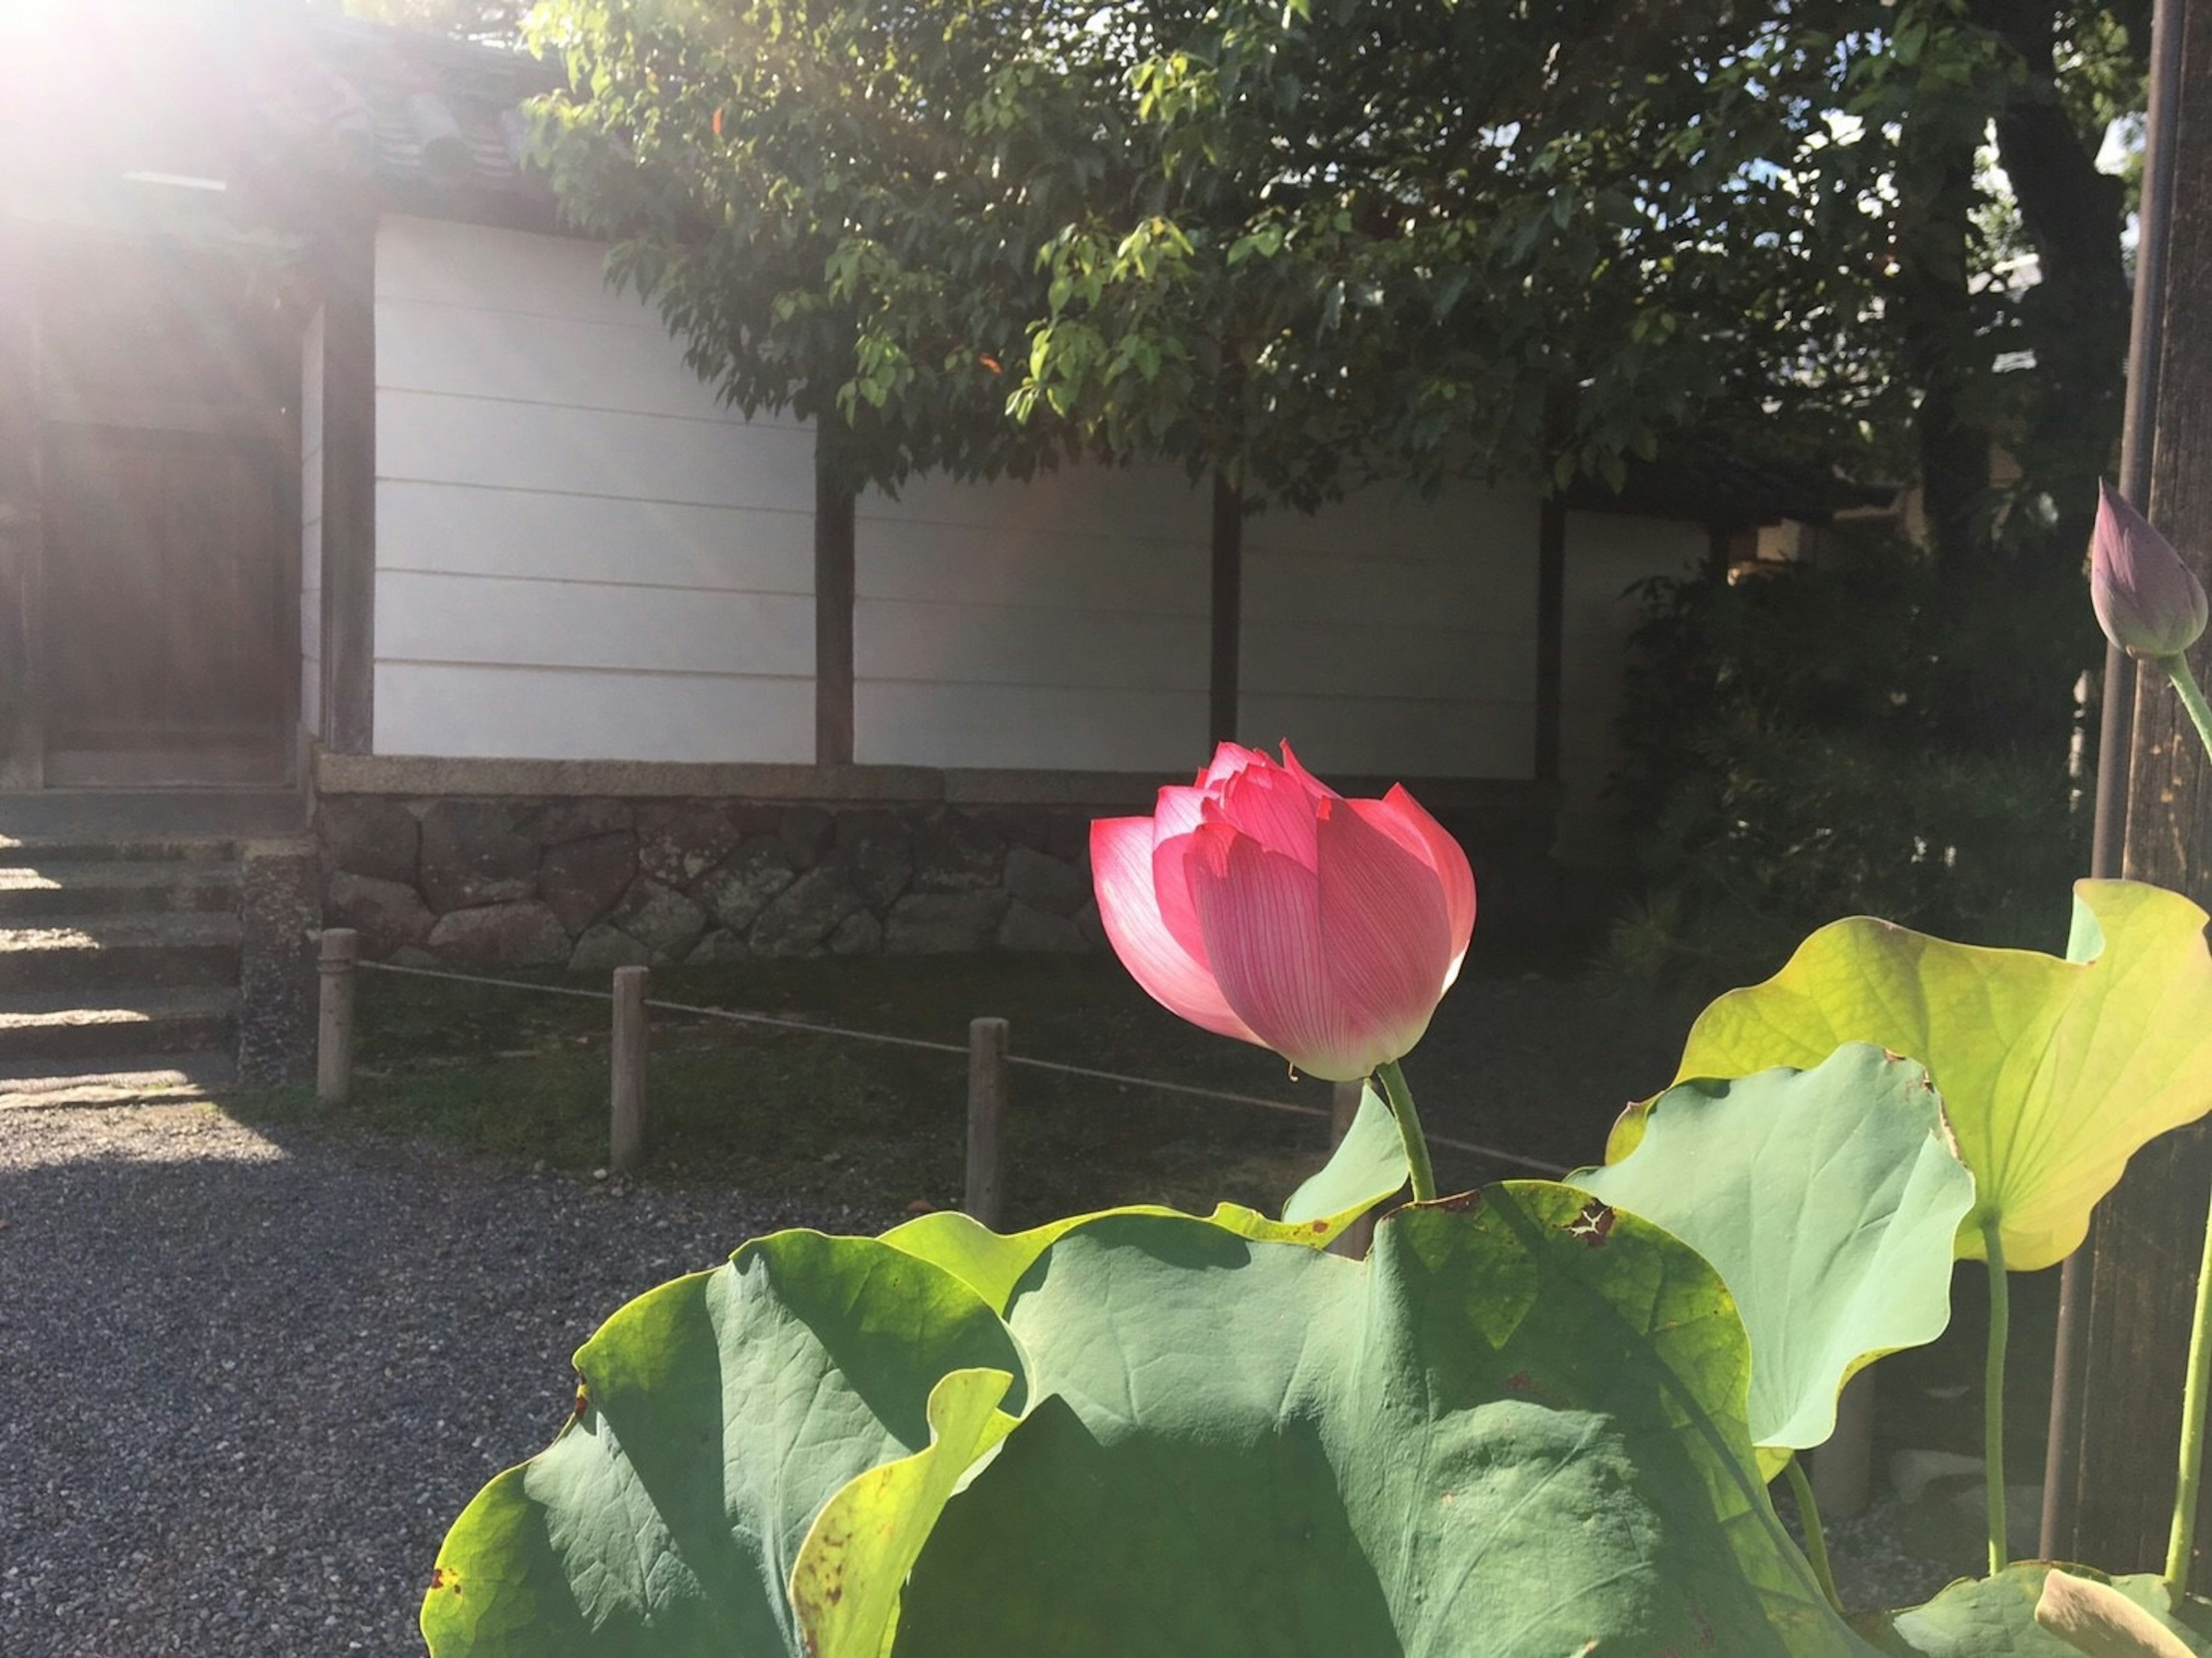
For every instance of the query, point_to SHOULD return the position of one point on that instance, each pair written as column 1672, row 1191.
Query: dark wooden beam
column 834, row 501
column 22, row 545
column 2122, row 1417
column 1551, row 635
column 1223, row 670
column 349, row 262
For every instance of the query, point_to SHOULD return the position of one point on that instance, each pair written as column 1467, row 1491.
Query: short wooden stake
column 1842, row 1468
column 986, row 1118
column 626, row 1090
column 336, row 960
column 1343, row 1106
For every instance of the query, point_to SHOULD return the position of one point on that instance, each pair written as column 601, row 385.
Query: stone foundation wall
column 596, row 883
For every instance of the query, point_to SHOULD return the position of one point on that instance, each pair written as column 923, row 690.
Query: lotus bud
column 2149, row 602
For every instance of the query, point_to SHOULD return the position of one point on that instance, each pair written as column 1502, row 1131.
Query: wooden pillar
column 22, row 535
column 1551, row 635
column 1223, row 670
column 2121, row 1427
column 626, row 1071
column 339, row 951
column 984, row 1197
column 348, row 724
column 834, row 504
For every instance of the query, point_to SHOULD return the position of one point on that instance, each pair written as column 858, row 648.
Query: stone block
column 368, row 834
column 1046, row 883
column 1068, row 836
column 806, row 913
column 388, row 915
column 661, row 919
column 875, row 847
column 860, row 934
column 717, row 948
column 678, row 842
column 519, row 934
column 1029, row 928
column 473, row 854
column 580, row 881
column 745, row 882
column 808, row 834
column 944, row 923
column 603, row 949
column 1093, row 925
column 954, row 851
column 563, row 821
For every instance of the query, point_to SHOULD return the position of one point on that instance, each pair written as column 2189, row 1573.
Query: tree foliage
column 491, row 21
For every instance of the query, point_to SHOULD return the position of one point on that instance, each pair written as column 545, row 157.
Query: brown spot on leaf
column 1460, row 1202
column 445, row 1577
column 1592, row 1223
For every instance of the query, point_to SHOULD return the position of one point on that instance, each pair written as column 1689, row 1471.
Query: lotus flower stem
column 2181, row 1538
column 1816, row 1543
column 1399, row 1098
column 2184, row 684
column 1993, row 1391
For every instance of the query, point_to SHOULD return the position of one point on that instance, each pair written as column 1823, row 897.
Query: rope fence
column 987, row 1052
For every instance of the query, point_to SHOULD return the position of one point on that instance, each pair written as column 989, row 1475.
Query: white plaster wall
column 1060, row 623
column 310, row 527
column 579, row 554
column 1392, row 634
column 1606, row 556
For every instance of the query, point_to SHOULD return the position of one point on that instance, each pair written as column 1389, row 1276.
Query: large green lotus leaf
column 1516, row 1428
column 992, row 1263
column 719, row 1414
column 1995, row 1616
column 846, row 1584
column 1368, row 1165
column 1826, row 1200
column 2053, row 1073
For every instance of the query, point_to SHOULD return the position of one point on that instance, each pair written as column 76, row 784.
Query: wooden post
column 835, row 509
column 341, row 950
column 626, row 1090
column 1344, row 1099
column 2124, row 1400
column 987, row 1119
column 1223, row 673
column 1843, row 1469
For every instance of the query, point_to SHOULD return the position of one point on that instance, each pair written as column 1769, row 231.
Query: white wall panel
column 454, row 529
column 476, row 268
column 1065, row 729
column 480, row 619
column 557, row 714
column 1396, row 737
column 429, row 437
column 1057, row 623
column 1389, row 634
column 580, row 555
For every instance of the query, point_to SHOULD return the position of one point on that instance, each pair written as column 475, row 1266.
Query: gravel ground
column 251, row 1381
column 249, row 1384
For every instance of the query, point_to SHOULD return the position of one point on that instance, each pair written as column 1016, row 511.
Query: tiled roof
column 419, row 115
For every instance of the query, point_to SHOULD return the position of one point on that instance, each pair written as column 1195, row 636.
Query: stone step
column 118, row 1081
column 35, row 850
column 113, row 1024
column 70, row 952
column 92, row 888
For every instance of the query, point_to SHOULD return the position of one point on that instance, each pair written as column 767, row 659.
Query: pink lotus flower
column 1261, row 904
column 2147, row 601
